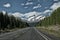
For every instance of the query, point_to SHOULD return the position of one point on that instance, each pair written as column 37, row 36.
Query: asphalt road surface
column 30, row 33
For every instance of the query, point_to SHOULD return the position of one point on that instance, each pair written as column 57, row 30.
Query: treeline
column 53, row 19
column 10, row 22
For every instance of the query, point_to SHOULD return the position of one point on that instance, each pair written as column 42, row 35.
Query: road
column 30, row 33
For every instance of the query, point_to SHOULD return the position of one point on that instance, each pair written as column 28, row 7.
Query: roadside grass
column 8, row 30
column 53, row 30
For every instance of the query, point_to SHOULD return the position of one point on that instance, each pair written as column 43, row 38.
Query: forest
column 10, row 22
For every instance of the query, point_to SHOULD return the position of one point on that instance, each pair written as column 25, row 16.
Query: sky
column 26, row 8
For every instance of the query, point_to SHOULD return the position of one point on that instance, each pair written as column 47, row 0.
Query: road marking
column 44, row 36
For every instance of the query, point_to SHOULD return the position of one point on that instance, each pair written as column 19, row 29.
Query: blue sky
column 26, row 8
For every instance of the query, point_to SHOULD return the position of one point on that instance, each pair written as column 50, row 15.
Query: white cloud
column 4, row 12
column 55, row 6
column 17, row 14
column 27, row 15
column 32, row 14
column 28, row 3
column 7, row 5
column 38, row 6
column 46, row 11
column 22, row 4
column 55, row 0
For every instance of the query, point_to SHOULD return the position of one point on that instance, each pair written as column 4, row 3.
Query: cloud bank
column 7, row 5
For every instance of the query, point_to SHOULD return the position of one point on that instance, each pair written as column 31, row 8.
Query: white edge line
column 44, row 36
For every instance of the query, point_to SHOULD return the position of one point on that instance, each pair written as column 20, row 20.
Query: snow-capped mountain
column 30, row 17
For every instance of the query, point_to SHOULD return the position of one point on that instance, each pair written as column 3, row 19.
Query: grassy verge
column 53, row 30
column 8, row 30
